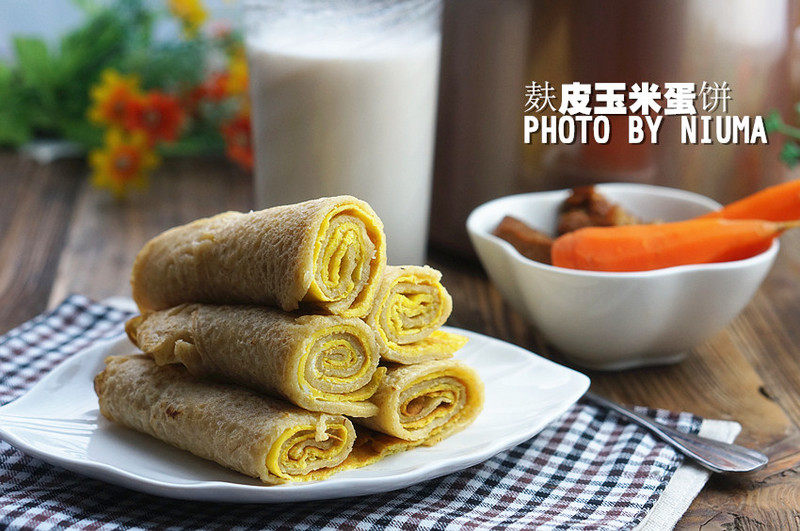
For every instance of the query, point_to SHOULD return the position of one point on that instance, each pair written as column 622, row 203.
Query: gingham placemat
column 587, row 470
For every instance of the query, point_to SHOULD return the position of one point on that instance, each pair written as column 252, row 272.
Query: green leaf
column 168, row 66
column 5, row 74
column 33, row 61
column 790, row 154
column 82, row 132
column 85, row 53
column 773, row 122
column 198, row 144
column 14, row 129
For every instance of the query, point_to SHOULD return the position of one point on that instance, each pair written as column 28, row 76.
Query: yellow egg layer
column 288, row 448
column 444, row 391
column 440, row 341
column 401, row 305
column 337, row 243
column 339, row 362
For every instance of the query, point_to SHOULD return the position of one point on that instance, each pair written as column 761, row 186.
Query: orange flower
column 216, row 86
column 157, row 114
column 238, row 140
column 123, row 163
column 111, row 96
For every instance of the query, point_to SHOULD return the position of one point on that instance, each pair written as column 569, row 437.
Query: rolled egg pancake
column 410, row 306
column 327, row 253
column 259, row 436
column 323, row 363
column 426, row 402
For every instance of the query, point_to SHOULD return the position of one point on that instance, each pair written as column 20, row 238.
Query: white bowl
column 615, row 321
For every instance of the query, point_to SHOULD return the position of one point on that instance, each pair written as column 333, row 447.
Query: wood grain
column 60, row 236
column 105, row 234
column 35, row 210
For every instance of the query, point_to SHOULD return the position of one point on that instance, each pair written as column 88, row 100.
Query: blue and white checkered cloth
column 588, row 470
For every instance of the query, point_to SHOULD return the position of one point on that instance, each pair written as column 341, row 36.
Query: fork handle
column 716, row 456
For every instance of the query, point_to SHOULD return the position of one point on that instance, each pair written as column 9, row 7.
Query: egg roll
column 411, row 305
column 322, row 363
column 259, row 436
column 327, row 254
column 426, row 402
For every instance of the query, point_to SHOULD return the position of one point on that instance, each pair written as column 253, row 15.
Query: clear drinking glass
column 344, row 102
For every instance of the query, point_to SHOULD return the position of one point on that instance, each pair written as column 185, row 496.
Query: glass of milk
column 344, row 102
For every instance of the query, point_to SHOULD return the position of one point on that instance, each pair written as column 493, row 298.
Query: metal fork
column 716, row 456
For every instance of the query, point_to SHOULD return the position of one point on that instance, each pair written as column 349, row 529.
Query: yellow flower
column 111, row 96
column 191, row 13
column 123, row 163
column 236, row 83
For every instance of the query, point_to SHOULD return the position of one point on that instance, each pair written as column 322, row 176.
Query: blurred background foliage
column 45, row 89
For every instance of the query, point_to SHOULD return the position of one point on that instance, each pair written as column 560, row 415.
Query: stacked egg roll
column 326, row 253
column 419, row 405
column 426, row 402
column 321, row 363
column 262, row 437
column 236, row 374
column 410, row 306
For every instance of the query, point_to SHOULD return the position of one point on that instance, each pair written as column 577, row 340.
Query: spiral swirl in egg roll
column 259, row 436
column 321, row 363
column 410, row 306
column 327, row 253
column 426, row 402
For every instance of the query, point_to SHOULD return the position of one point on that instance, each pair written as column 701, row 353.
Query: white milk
column 348, row 118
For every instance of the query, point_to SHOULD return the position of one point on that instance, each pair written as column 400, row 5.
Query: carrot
column 776, row 203
column 647, row 247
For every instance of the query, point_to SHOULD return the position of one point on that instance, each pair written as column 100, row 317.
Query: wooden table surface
column 58, row 236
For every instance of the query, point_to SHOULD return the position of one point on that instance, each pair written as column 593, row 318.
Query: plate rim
column 331, row 488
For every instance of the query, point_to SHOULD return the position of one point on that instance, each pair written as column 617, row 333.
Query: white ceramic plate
column 58, row 421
